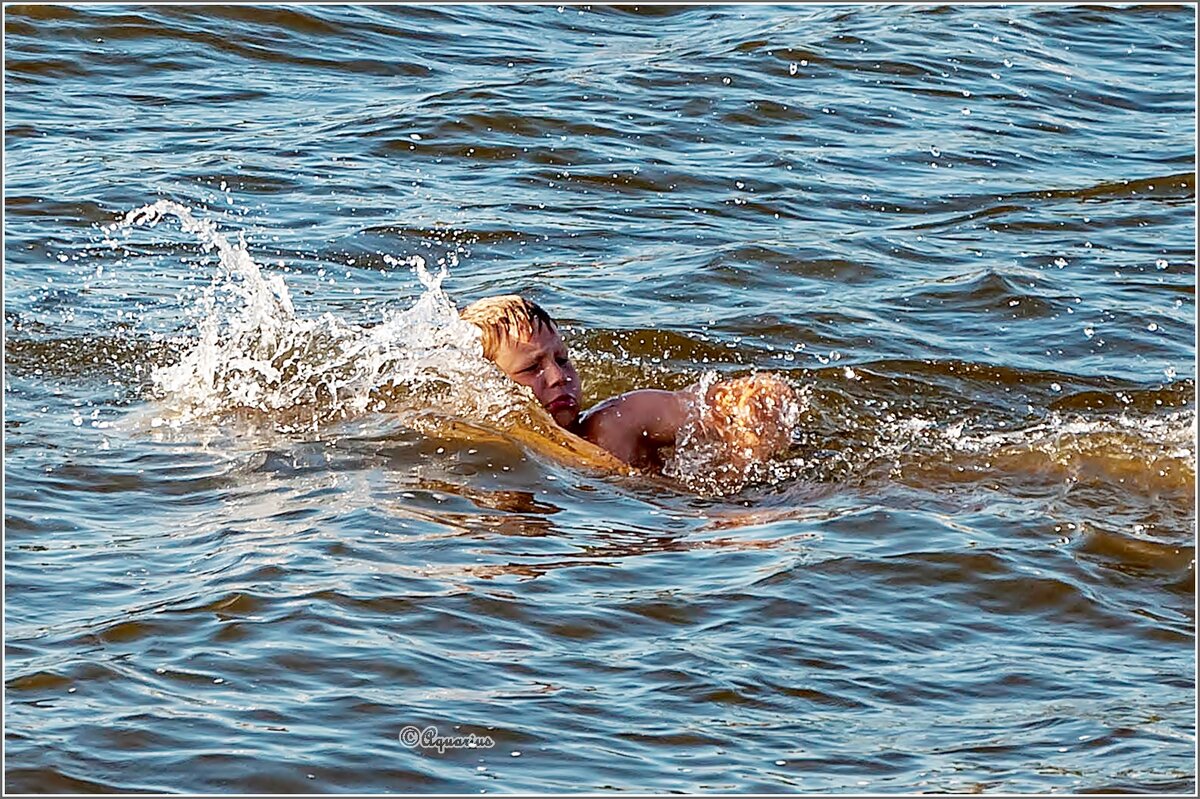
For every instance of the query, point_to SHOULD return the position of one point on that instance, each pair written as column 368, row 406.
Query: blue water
column 965, row 234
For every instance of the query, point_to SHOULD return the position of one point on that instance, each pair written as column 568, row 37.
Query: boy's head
column 522, row 339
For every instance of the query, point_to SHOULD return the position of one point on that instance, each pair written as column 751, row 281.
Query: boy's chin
column 565, row 417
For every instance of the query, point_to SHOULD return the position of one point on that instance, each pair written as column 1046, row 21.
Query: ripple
column 991, row 291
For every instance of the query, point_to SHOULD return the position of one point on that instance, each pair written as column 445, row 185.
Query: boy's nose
column 555, row 374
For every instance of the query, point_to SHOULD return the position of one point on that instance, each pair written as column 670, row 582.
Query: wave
column 254, row 358
column 258, row 364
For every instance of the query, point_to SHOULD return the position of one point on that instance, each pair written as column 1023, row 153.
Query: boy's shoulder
column 635, row 425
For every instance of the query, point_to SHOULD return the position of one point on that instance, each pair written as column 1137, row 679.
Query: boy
column 751, row 417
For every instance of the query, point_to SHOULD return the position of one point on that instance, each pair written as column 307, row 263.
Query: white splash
column 255, row 353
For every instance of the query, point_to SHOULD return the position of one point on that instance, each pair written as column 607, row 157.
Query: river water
column 266, row 507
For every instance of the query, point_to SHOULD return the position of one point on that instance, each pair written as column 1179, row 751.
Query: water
column 266, row 507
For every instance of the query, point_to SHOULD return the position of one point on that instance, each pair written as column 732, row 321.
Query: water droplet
column 792, row 69
column 935, row 152
column 966, row 112
column 516, row 754
column 1152, row 327
column 781, row 762
column 1055, row 387
column 1060, row 262
column 1089, row 331
column 1162, row 263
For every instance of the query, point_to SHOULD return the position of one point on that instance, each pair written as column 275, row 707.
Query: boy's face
column 541, row 362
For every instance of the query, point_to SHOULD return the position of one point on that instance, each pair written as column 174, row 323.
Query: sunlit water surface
column 266, row 506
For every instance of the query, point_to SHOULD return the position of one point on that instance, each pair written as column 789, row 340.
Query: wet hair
column 505, row 317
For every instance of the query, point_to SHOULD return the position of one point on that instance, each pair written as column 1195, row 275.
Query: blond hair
column 505, row 317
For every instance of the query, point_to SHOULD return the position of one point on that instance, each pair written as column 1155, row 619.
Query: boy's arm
column 636, row 425
column 751, row 417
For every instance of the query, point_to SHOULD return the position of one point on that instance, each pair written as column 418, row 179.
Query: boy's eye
column 562, row 360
